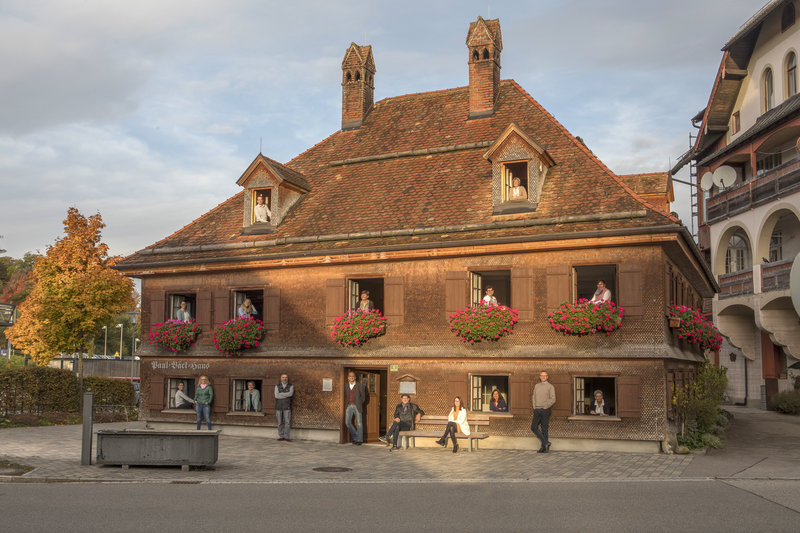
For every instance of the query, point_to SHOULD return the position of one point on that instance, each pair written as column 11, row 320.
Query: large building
column 413, row 199
column 747, row 158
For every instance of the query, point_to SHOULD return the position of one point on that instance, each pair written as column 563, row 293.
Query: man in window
column 405, row 415
column 544, row 396
column 261, row 212
column 489, row 298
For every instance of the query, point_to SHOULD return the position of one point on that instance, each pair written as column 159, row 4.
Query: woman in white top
column 456, row 420
column 182, row 400
column 518, row 192
column 601, row 294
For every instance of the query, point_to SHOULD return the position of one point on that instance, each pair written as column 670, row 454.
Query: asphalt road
column 597, row 507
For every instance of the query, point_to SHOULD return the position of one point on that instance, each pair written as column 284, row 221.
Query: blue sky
column 148, row 112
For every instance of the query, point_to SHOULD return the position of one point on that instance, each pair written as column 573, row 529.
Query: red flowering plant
column 483, row 322
column 696, row 328
column 356, row 326
column 235, row 335
column 174, row 335
column 582, row 317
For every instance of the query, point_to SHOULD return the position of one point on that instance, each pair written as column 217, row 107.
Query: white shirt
column 605, row 297
column 262, row 213
column 489, row 300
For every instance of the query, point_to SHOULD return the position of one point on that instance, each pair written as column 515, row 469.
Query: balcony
column 775, row 276
column 765, row 188
column 736, row 283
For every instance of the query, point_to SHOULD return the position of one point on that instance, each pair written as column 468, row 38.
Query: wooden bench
column 474, row 420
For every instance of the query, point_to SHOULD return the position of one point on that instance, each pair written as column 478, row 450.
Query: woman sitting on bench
column 457, row 419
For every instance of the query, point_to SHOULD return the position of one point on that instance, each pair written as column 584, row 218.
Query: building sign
column 179, row 365
column 6, row 315
column 327, row 384
column 408, row 387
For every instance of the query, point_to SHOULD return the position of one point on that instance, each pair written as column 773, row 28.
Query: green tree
column 74, row 291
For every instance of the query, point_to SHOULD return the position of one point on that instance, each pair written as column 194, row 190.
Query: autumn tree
column 74, row 291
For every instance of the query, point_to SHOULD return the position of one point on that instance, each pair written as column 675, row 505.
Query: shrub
column 583, row 317
column 356, row 326
column 174, row 335
column 235, row 335
column 696, row 328
column 697, row 404
column 37, row 389
column 109, row 391
column 787, row 402
column 481, row 322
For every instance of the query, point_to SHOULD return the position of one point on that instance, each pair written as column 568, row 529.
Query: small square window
column 515, row 181
column 255, row 309
column 262, row 206
column 498, row 280
column 242, row 400
column 594, row 393
column 175, row 312
column 373, row 287
column 587, row 281
column 173, row 388
column 484, row 387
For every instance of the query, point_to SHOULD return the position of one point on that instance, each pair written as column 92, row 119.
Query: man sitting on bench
column 405, row 414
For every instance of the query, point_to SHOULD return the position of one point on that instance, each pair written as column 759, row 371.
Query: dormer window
column 261, row 201
column 515, row 181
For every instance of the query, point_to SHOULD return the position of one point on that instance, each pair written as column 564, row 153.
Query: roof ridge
column 591, row 154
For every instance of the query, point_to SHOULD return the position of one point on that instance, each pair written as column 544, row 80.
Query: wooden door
column 372, row 404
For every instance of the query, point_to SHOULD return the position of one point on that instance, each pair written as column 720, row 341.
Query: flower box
column 583, row 317
column 694, row 328
column 483, row 322
column 674, row 322
column 174, row 335
column 239, row 334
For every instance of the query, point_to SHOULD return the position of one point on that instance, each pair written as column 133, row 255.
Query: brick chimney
column 358, row 75
column 485, row 44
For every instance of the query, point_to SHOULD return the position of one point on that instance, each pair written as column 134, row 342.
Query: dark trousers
column 450, row 431
column 394, row 431
column 541, row 417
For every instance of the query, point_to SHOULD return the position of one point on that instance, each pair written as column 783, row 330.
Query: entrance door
column 372, row 403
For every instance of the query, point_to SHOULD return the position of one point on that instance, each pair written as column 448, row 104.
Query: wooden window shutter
column 222, row 395
column 630, row 289
column 557, row 286
column 334, row 299
column 222, row 306
column 156, row 399
column 457, row 386
column 629, row 404
column 272, row 308
column 563, row 385
column 204, row 309
column 519, row 394
column 522, row 292
column 455, row 291
column 157, row 308
column 393, row 300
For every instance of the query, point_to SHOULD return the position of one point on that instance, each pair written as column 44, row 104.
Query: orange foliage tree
column 74, row 291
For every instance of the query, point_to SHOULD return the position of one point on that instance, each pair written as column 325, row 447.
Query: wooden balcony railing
column 765, row 188
column 775, row 276
column 736, row 283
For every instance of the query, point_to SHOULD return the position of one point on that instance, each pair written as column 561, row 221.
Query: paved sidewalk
column 54, row 452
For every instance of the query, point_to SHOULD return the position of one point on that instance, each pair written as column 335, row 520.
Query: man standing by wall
column 283, row 407
column 355, row 405
column 544, row 396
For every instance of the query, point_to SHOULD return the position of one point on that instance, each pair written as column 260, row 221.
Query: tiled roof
column 441, row 188
column 650, row 183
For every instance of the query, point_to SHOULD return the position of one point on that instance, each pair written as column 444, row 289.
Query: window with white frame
column 373, row 289
column 791, row 74
column 239, row 392
column 515, row 181
column 487, row 284
column 737, row 256
column 588, row 277
column 172, row 389
column 483, row 387
column 776, row 246
column 767, row 91
column 174, row 301
column 256, row 298
column 597, row 389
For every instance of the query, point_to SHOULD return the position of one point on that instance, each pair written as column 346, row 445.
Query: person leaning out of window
column 252, row 398
column 498, row 403
column 599, row 406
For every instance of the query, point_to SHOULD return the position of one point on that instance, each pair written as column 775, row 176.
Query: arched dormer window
column 767, row 91
column 737, row 256
column 787, row 17
column 358, row 76
column 475, row 55
column 791, row 74
column 349, row 77
column 485, row 53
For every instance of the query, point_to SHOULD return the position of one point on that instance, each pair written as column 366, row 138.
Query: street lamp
column 105, row 340
column 134, row 316
column 121, row 328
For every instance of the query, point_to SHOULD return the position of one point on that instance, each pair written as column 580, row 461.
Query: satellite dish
column 707, row 181
column 724, row 176
column 794, row 284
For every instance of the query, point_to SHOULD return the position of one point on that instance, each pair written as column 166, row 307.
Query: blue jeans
column 394, row 431
column 356, row 434
column 541, row 417
column 203, row 411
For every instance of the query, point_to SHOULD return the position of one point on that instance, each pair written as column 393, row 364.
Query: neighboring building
column 748, row 163
column 412, row 200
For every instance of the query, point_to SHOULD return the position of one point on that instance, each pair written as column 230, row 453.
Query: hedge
column 37, row 390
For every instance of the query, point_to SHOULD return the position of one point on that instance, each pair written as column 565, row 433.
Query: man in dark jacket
column 356, row 394
column 283, row 407
column 405, row 415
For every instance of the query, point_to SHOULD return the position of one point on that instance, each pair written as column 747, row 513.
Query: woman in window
column 182, row 400
column 602, row 294
column 252, row 398
column 246, row 310
column 497, row 403
column 457, row 419
column 365, row 304
column 599, row 406
column 203, row 396
column 518, row 192
column 183, row 313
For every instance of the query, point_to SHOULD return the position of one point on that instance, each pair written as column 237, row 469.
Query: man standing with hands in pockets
column 544, row 396
column 283, row 407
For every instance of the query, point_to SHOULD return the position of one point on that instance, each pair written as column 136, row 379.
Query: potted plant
column 695, row 327
column 238, row 334
column 483, row 322
column 356, row 326
column 583, row 317
column 174, row 335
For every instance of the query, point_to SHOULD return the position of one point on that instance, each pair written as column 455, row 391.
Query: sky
column 149, row 111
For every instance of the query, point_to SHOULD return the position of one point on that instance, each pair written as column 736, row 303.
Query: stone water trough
column 163, row 448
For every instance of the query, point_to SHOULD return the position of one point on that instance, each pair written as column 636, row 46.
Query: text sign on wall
column 408, row 387
column 327, row 384
column 179, row 365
